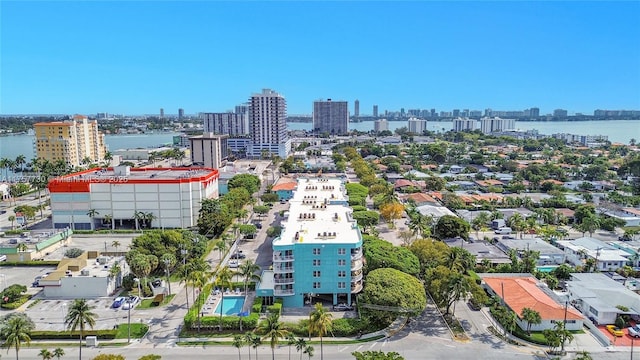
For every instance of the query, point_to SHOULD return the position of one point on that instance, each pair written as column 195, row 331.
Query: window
column 316, row 251
column 342, row 273
column 316, row 262
column 316, row 273
column 342, row 251
column 316, row 285
column 342, row 285
column 593, row 310
column 342, row 262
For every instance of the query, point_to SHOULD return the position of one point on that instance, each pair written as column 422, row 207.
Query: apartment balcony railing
column 280, row 258
column 283, row 270
column 283, row 292
column 356, row 278
column 356, row 265
column 357, row 255
column 356, row 288
column 284, row 281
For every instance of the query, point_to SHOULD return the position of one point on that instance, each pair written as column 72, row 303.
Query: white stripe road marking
column 343, row 349
column 359, row 347
column 372, row 345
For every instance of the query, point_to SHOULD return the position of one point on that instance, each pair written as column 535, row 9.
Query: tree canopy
column 247, row 181
column 382, row 254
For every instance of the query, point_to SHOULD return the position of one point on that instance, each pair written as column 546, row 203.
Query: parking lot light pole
column 129, row 326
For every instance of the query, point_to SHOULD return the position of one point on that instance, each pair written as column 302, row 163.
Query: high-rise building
column 356, row 108
column 380, row 125
column 375, row 110
column 456, row 113
column 268, row 125
column 491, row 125
column 209, row 150
column 180, row 113
column 161, row 113
column 319, row 252
column 75, row 142
column 433, row 113
column 242, row 108
column 465, row 124
column 330, row 117
column 232, row 124
column 416, row 126
column 534, row 112
column 560, row 113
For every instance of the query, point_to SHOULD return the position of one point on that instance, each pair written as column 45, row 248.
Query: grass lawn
column 147, row 303
column 137, row 331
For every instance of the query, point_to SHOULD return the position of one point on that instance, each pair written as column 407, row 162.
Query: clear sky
column 137, row 57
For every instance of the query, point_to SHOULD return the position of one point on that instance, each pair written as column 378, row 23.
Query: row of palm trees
column 16, row 330
column 141, row 218
column 273, row 331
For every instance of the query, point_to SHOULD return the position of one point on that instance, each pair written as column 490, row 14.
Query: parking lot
column 49, row 314
column 10, row 275
column 94, row 243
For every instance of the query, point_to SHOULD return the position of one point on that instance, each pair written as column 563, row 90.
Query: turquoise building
column 318, row 256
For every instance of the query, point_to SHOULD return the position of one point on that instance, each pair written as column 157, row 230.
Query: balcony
column 283, row 269
column 356, row 265
column 355, row 278
column 283, row 292
column 356, row 255
column 289, row 280
column 282, row 258
column 356, row 288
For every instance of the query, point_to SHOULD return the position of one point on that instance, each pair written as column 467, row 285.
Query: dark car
column 238, row 256
column 258, row 225
column 625, row 238
column 342, row 307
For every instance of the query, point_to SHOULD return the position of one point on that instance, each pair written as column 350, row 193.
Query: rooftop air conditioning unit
column 84, row 272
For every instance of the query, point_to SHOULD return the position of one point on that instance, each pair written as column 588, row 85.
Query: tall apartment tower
column 72, row 141
column 465, row 124
column 161, row 113
column 416, row 126
column 232, row 124
column 534, row 112
column 331, row 117
column 380, row 125
column 375, row 110
column 180, row 113
column 496, row 124
column 356, row 108
column 268, row 125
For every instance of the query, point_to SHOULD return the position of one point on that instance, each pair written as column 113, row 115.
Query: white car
column 130, row 303
column 634, row 331
column 233, row 264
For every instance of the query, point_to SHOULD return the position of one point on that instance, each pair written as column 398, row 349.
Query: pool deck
column 214, row 298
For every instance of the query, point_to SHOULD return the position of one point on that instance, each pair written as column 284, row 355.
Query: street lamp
column 167, row 262
column 129, row 313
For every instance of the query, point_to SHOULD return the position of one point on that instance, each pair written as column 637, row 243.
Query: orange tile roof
column 284, row 186
column 632, row 211
column 523, row 292
column 420, row 198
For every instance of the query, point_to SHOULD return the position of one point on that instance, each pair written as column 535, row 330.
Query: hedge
column 30, row 263
column 349, row 327
column 64, row 335
column 257, row 305
column 228, row 322
column 276, row 308
column 16, row 304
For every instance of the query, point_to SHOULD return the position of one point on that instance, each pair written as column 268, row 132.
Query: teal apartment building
column 318, row 256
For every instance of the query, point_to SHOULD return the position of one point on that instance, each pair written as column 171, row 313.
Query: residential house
column 549, row 254
column 606, row 257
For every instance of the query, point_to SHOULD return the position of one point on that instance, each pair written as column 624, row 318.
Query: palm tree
column 116, row 244
column 309, row 351
column 291, row 340
column 79, row 316
column 221, row 246
column 301, row 344
column 238, row 342
column 248, row 337
column 16, row 330
column 92, row 214
column 58, row 353
column 563, row 333
column 138, row 217
column 273, row 330
column 11, row 218
column 20, row 161
column 200, row 279
column 223, row 279
column 108, row 157
column 109, row 220
column 248, row 271
column 148, row 219
column 255, row 342
column 319, row 324
column 531, row 317
column 46, row 354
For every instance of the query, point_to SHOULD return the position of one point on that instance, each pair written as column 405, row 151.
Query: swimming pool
column 231, row 305
column 546, row 269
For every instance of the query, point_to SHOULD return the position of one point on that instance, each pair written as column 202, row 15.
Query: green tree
column 58, row 353
column 92, row 213
column 301, row 344
column 319, row 324
column 11, row 218
column 273, row 330
column 309, row 350
column 532, row 317
column 16, row 330
column 223, row 279
column 45, row 354
column 449, row 226
column 78, row 317
column 247, row 270
column 247, row 181
column 255, row 341
column 238, row 343
column 376, row 355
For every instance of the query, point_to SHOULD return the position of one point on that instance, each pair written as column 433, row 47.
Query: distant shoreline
column 368, row 119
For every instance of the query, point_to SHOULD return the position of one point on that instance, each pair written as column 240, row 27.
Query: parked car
column 130, row 303
column 118, row 302
column 258, row 225
column 634, row 331
column 342, row 307
column 233, row 264
column 614, row 330
column 503, row 230
column 625, row 238
column 238, row 255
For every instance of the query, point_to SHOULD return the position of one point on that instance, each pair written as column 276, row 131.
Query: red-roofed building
column 420, row 199
column 284, row 188
column 519, row 292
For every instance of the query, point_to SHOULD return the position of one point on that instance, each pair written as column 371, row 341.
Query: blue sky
column 136, row 57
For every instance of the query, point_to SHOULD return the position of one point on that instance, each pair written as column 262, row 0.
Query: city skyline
column 461, row 55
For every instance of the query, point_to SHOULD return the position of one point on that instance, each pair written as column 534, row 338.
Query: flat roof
column 318, row 214
column 531, row 244
column 80, row 181
column 481, row 250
